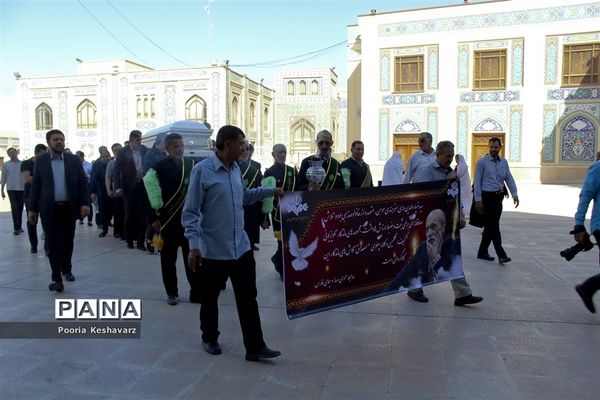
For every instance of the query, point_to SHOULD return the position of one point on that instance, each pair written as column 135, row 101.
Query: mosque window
column 302, row 88
column 235, row 104
column 195, row 109
column 291, row 88
column 489, row 70
column 43, row 117
column 314, row 87
column 252, row 116
column 408, row 74
column 581, row 64
column 265, row 121
column 86, row 115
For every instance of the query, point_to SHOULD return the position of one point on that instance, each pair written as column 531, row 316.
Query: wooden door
column 407, row 144
column 480, row 146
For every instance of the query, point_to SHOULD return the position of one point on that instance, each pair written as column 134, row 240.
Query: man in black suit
column 357, row 170
column 127, row 177
column 59, row 193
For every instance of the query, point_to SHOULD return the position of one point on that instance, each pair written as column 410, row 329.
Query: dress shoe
column 172, row 300
column 69, row 277
column 129, row 245
column 504, row 260
column 255, row 247
column 33, row 250
column 16, row 232
column 586, row 298
column 116, row 235
column 470, row 299
column 89, row 223
column 58, row 286
column 102, row 234
column 485, row 257
column 141, row 247
column 80, row 222
column 21, row 230
column 418, row 296
column 262, row 354
column 213, row 348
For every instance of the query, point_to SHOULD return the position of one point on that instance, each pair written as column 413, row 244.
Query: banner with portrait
column 346, row 246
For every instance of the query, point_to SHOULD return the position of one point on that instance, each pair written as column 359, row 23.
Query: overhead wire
column 282, row 61
column 146, row 36
column 110, row 33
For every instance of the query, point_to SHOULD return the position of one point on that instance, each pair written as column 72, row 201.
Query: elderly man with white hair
column 333, row 177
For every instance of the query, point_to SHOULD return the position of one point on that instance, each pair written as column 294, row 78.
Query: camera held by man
column 585, row 245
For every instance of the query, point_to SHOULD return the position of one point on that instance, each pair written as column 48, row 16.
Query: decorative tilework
column 578, row 140
column 593, row 109
column 462, row 130
column 384, row 133
column 432, row 67
column 464, row 56
column 488, row 125
column 170, row 104
column 394, row 99
column 549, row 133
column 551, row 73
column 516, row 128
column 407, row 126
column 215, row 81
column 124, row 105
column 63, row 112
column 501, row 19
column 592, row 93
column 490, row 44
column 400, row 51
column 487, row 97
column 432, row 122
column 384, row 71
column 517, row 62
column 583, row 37
column 103, row 112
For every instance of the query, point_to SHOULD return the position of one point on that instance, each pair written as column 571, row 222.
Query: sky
column 44, row 37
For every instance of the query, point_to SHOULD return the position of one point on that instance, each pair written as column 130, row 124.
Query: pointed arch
column 265, row 120
column 302, row 136
column 235, row 112
column 195, row 109
column 578, row 136
column 302, row 87
column 86, row 115
column 291, row 88
column 43, row 117
column 314, row 87
column 252, row 115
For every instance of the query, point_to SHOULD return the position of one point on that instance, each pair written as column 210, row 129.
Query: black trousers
column 16, row 207
column 60, row 231
column 135, row 216
column 31, row 229
column 242, row 272
column 173, row 240
column 119, row 214
column 278, row 259
column 592, row 284
column 105, row 211
column 492, row 211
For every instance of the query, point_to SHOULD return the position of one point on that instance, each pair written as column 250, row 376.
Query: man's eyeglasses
column 322, row 142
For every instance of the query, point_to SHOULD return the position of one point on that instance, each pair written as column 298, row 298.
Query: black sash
column 171, row 207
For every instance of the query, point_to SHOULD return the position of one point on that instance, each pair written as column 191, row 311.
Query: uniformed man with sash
column 333, row 178
column 252, row 177
column 355, row 172
column 167, row 185
column 285, row 178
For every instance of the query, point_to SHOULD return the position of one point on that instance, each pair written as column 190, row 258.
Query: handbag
column 475, row 218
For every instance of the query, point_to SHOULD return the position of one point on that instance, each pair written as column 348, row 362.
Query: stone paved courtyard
column 531, row 338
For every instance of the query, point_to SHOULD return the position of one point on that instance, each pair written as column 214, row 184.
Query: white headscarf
column 466, row 196
column 392, row 171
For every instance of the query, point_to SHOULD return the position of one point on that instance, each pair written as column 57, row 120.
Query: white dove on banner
column 301, row 253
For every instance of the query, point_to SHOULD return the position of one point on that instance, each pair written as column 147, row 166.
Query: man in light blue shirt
column 213, row 219
column 436, row 170
column 421, row 158
column 590, row 191
column 491, row 172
